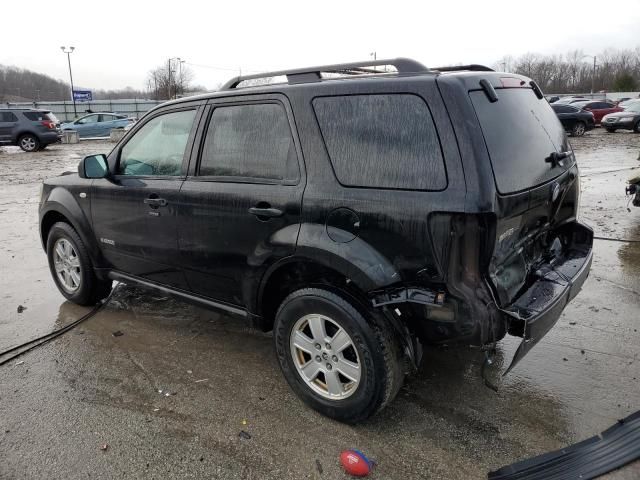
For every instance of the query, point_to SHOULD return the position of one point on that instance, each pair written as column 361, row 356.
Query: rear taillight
column 49, row 124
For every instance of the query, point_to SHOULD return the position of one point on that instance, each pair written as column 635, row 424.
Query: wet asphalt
column 170, row 396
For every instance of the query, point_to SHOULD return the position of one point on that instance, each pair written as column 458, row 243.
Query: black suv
column 31, row 129
column 359, row 214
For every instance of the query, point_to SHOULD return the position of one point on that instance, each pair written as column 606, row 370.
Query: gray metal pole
column 73, row 98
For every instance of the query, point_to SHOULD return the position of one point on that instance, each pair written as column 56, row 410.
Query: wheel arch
column 62, row 207
column 297, row 272
column 22, row 133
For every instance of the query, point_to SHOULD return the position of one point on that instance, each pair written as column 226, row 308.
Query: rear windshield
column 520, row 132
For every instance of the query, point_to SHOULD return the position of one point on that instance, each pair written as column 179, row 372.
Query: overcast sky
column 118, row 42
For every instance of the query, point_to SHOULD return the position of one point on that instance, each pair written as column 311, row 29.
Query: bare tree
column 574, row 72
column 169, row 80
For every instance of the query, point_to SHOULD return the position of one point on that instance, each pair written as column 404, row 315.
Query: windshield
column 521, row 132
column 632, row 107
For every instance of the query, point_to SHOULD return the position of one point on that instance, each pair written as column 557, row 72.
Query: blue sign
column 82, row 95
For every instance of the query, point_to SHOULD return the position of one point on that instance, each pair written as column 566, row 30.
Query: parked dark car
column 30, row 129
column 628, row 119
column 599, row 108
column 359, row 216
column 572, row 99
column 574, row 120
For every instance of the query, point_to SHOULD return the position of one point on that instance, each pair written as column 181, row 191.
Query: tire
column 76, row 267
column 611, row 130
column 373, row 348
column 29, row 142
column 636, row 127
column 578, row 129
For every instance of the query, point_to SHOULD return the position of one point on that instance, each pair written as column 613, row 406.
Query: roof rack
column 460, row 68
column 314, row 74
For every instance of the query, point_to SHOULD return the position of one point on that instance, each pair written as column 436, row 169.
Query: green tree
column 625, row 83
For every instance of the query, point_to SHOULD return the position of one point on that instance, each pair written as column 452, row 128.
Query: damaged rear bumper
column 540, row 306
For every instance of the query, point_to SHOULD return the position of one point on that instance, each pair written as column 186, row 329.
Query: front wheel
column 71, row 267
column 578, row 129
column 29, row 143
column 341, row 364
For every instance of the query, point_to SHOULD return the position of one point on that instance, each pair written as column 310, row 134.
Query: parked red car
column 599, row 108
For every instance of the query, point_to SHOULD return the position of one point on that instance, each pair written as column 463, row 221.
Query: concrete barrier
column 116, row 134
column 70, row 136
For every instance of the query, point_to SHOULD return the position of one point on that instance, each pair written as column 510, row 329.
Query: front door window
column 158, row 148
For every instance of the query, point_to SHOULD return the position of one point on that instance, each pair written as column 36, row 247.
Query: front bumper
column 616, row 124
column 558, row 282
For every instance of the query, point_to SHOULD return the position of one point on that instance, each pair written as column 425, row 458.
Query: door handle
column 265, row 212
column 155, row 202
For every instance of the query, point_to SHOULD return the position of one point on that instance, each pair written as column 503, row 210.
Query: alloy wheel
column 325, row 357
column 67, row 265
column 28, row 143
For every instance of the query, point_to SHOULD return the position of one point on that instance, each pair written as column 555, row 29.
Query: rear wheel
column 341, row 364
column 29, row 142
column 578, row 129
column 71, row 267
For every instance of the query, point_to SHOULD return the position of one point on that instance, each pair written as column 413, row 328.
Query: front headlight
column 626, row 119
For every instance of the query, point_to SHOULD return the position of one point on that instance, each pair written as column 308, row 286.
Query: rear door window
column 251, row 142
column 520, row 132
column 382, row 141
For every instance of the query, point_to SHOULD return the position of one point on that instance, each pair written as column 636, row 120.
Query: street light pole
column 69, row 51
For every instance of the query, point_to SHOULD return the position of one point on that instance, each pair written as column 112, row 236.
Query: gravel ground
column 89, row 388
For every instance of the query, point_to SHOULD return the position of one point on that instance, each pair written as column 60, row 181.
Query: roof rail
column 313, row 74
column 460, row 68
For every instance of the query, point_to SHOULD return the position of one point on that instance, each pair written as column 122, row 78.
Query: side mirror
column 93, row 166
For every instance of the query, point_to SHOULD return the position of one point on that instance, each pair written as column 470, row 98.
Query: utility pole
column 593, row 77
column 180, row 62
column 69, row 51
column 169, row 78
column 169, row 75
